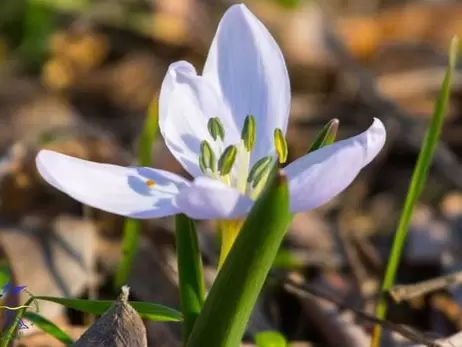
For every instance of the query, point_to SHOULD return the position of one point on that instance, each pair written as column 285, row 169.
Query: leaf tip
column 453, row 51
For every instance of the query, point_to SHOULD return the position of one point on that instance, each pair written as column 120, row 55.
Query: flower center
column 249, row 181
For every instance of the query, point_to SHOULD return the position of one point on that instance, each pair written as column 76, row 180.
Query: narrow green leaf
column 417, row 182
column 39, row 24
column 190, row 273
column 147, row 310
column 234, row 293
column 49, row 327
column 326, row 136
column 148, row 136
column 130, row 242
column 132, row 227
column 5, row 273
column 270, row 339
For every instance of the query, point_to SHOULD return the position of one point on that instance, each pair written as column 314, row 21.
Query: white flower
column 220, row 126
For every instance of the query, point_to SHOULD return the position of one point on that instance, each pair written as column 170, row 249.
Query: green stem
column 130, row 242
column 190, row 273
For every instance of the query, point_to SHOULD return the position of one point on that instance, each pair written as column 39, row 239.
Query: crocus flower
column 226, row 127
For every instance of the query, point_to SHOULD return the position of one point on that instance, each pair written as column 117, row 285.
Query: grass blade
column 191, row 279
column 147, row 310
column 232, row 297
column 132, row 227
column 419, row 177
column 49, row 327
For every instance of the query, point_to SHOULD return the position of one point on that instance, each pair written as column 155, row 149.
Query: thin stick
column 401, row 293
column 405, row 331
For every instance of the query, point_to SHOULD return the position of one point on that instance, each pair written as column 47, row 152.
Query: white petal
column 247, row 67
column 319, row 176
column 168, row 85
column 112, row 188
column 210, row 199
column 186, row 103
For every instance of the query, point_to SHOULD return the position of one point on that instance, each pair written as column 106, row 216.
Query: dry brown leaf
column 30, row 268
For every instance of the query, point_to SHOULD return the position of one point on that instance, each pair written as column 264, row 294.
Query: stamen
column 216, row 129
column 280, row 144
column 258, row 170
column 150, row 183
column 207, row 159
column 248, row 136
column 248, row 133
column 227, row 159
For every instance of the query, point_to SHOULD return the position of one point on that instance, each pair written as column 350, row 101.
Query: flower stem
column 229, row 230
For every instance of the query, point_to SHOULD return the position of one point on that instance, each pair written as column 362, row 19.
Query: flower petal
column 319, row 176
column 247, row 68
column 112, row 188
column 210, row 199
column 186, row 103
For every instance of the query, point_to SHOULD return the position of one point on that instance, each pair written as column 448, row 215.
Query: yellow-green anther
column 202, row 164
column 227, row 159
column 258, row 169
column 249, row 133
column 280, row 144
column 216, row 128
column 207, row 158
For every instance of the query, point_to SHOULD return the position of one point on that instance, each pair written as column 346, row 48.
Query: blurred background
column 78, row 77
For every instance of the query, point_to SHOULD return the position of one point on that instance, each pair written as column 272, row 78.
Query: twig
column 453, row 341
column 407, row 292
column 401, row 329
column 325, row 318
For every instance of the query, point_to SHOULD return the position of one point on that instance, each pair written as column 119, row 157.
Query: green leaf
column 5, row 273
column 287, row 260
column 326, row 136
column 417, row 183
column 234, row 293
column 148, row 136
column 39, row 24
column 190, row 273
column 147, row 310
column 270, row 339
column 132, row 227
column 49, row 327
